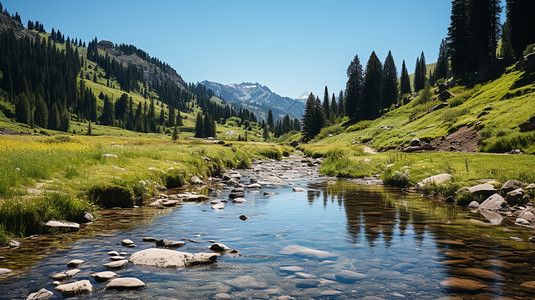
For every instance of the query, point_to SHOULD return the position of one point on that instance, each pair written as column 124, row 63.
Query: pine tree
column 265, row 132
column 353, row 101
column 334, row 108
column 371, row 92
column 161, row 120
column 53, row 117
column 199, row 126
column 175, row 134
column 179, row 119
column 458, row 38
column 65, row 121
column 341, row 103
column 40, row 116
column 270, row 121
column 521, row 21
column 314, row 118
column 22, row 110
column 404, row 81
column 172, row 117
column 442, row 67
column 326, row 105
column 89, row 130
column 390, row 82
column 483, row 29
column 506, row 50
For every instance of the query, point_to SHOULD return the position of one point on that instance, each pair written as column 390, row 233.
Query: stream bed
column 337, row 240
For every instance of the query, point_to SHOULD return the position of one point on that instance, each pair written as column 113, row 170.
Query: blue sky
column 290, row 46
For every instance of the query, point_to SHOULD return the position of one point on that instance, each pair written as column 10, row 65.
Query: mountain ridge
column 258, row 98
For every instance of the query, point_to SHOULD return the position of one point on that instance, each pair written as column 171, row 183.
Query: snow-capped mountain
column 258, row 98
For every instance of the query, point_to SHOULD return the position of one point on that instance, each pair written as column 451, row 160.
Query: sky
column 291, row 46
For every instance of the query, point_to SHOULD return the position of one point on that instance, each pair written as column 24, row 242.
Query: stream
column 339, row 239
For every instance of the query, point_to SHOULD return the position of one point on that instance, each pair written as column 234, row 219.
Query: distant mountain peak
column 258, row 98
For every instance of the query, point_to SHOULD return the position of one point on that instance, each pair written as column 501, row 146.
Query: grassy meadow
column 49, row 177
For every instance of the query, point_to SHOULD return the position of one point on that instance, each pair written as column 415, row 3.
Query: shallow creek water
column 402, row 245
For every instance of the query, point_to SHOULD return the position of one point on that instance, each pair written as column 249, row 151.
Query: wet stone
column 460, row 284
column 74, row 263
column 126, row 283
column 103, row 276
column 76, row 288
column 116, row 264
column 246, row 282
column 117, row 257
column 113, row 253
column 4, row 271
column 42, row 294
column 169, row 243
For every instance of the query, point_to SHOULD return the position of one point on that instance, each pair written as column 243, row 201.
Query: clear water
column 404, row 244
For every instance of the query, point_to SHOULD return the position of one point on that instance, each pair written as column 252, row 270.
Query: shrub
column 463, row 198
column 359, row 126
column 111, row 196
column 173, row 179
column 397, row 179
column 529, row 49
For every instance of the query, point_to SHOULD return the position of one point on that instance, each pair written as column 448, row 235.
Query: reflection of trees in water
column 375, row 212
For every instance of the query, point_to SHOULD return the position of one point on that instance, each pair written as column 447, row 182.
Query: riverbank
column 64, row 177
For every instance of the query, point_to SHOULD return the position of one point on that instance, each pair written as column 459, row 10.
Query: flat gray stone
column 246, row 282
column 494, row 202
column 4, row 271
column 300, row 250
column 165, row 258
column 126, row 283
column 71, row 226
column 74, row 263
column 76, row 288
column 103, row 276
column 42, row 294
column 65, row 275
column 116, row 264
column 291, row 269
column 349, row 276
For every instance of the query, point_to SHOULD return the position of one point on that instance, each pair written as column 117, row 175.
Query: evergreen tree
column 341, row 103
column 172, row 117
column 442, row 67
column 175, row 134
column 22, row 109
column 458, row 37
column 199, row 126
column 179, row 119
column 353, row 101
column 270, row 121
column 89, row 130
column 161, row 120
column 265, row 132
column 483, row 26
column 390, row 82
column 521, row 21
column 334, row 108
column 506, row 50
column 40, row 116
column 314, row 117
column 371, row 92
column 326, row 105
column 53, row 117
column 65, row 121
column 207, row 126
column 404, row 81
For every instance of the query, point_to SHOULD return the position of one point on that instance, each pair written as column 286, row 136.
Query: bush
column 529, row 49
column 173, row 179
column 359, row 126
column 111, row 196
column 463, row 198
column 397, row 179
column 445, row 190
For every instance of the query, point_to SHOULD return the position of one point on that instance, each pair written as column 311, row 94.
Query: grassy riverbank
column 345, row 160
column 47, row 178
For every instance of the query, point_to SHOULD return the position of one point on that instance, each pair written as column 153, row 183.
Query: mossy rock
column 111, row 196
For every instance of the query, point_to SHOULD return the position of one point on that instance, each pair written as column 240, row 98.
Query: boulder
column 473, row 205
column 13, row 244
column 234, row 195
column 493, row 217
column 436, row 179
column 170, row 203
column 65, row 275
column 193, row 197
column 169, row 243
column 528, row 125
column 147, row 239
column 126, row 283
column 298, row 189
column 239, row 200
column 254, row 186
column 460, row 284
column 165, row 258
column 196, row 180
column 64, row 225
column 511, row 185
column 485, row 190
column 42, row 294
column 76, row 288
column 347, row 276
column 445, row 95
column 423, row 147
column 219, row 205
column 494, row 202
column 127, row 242
column 243, row 217
column 415, row 142
column 4, row 271
column 531, row 186
column 103, row 276
column 87, row 218
column 74, row 263
column 516, row 197
column 438, row 106
column 218, row 247
column 528, row 216
column 118, row 264
column 214, row 192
